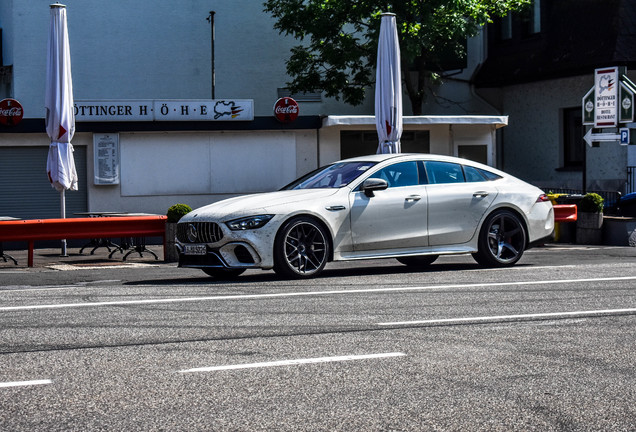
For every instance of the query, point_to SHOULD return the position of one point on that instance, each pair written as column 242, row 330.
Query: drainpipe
column 210, row 19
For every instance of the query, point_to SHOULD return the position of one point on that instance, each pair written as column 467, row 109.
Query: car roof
column 396, row 157
column 409, row 156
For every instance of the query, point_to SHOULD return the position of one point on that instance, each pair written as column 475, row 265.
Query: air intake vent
column 199, row 232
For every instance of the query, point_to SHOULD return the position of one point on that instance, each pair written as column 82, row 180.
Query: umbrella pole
column 63, row 215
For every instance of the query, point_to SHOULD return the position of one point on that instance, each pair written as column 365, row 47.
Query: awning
column 352, row 120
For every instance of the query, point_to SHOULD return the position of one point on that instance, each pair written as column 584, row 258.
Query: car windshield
column 332, row 176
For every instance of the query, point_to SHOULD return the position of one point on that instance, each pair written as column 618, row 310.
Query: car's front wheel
column 301, row 248
column 502, row 240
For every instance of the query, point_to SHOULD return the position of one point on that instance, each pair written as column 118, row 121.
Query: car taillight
column 543, row 198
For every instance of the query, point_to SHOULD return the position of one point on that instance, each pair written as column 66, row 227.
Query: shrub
column 177, row 211
column 591, row 203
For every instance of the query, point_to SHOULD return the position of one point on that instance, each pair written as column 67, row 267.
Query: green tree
column 339, row 40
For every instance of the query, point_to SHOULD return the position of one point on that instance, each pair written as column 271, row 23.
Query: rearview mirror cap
column 373, row 184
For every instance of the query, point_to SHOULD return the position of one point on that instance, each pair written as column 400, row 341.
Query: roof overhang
column 352, row 120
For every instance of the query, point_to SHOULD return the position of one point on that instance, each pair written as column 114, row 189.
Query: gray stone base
column 619, row 231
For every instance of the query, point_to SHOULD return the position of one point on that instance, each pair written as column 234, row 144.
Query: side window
column 444, row 172
column 399, row 174
column 473, row 174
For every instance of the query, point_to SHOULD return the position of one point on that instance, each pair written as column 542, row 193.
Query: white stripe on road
column 575, row 314
column 25, row 383
column 311, row 293
column 294, row 362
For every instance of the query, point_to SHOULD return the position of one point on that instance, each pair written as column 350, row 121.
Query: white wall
column 161, row 49
column 162, row 169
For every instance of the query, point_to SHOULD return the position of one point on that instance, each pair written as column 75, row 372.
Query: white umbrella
column 60, row 118
column 388, row 87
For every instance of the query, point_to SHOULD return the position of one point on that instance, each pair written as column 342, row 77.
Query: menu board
column 106, row 159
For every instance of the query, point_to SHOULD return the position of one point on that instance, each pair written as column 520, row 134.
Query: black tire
column 223, row 273
column 418, row 261
column 301, row 249
column 502, row 240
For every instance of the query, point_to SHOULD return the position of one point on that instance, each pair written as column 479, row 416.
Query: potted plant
column 175, row 213
column 589, row 219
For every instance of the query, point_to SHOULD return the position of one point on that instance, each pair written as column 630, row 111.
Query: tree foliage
column 339, row 40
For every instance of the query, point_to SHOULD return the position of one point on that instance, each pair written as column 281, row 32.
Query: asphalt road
column 370, row 346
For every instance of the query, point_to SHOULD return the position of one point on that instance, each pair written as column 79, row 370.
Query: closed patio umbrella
column 60, row 119
column 388, row 87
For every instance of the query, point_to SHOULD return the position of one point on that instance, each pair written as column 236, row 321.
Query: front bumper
column 231, row 256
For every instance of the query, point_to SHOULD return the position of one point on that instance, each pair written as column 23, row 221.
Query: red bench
column 82, row 228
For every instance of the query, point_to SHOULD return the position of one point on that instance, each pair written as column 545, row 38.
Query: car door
column 395, row 217
column 455, row 206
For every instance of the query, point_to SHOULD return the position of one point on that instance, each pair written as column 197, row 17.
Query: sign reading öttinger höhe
column 11, row 112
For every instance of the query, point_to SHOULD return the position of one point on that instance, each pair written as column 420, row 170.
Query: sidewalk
column 51, row 258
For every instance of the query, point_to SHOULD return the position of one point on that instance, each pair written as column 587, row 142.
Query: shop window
column 361, row 143
column 477, row 153
column 573, row 144
column 531, row 19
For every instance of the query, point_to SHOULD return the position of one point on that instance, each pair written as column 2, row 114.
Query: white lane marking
column 29, row 288
column 71, row 267
column 311, row 293
column 294, row 362
column 589, row 313
column 25, row 383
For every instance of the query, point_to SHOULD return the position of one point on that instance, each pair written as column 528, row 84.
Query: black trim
column 259, row 123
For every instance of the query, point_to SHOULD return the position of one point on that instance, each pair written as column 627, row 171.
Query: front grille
column 205, row 232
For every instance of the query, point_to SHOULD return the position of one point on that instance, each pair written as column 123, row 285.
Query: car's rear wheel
column 502, row 240
column 418, row 261
column 223, row 273
column 301, row 249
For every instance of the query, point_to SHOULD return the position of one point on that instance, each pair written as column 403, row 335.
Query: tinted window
column 399, row 174
column 489, row 175
column 473, row 174
column 444, row 172
column 332, row 176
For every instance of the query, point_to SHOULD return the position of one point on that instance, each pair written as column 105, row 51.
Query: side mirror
column 373, row 184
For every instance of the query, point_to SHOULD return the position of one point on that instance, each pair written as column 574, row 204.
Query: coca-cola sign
column 286, row 110
column 11, row 112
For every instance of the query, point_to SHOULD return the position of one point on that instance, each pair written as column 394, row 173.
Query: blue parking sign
column 624, row 136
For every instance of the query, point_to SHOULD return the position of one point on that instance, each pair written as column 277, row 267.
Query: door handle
column 412, row 198
column 480, row 194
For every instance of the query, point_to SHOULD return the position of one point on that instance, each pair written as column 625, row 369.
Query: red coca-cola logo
column 11, row 112
column 286, row 110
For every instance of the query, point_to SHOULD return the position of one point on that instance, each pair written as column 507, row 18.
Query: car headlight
column 247, row 223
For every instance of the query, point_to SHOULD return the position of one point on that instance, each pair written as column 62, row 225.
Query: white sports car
column 412, row 207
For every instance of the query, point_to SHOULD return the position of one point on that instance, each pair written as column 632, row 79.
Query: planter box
column 589, row 228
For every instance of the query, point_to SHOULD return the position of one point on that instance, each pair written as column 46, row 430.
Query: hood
column 247, row 205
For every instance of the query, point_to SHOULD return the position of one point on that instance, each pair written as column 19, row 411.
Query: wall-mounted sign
column 164, row 110
column 611, row 101
column 286, row 110
column 106, row 159
column 606, row 97
column 11, row 112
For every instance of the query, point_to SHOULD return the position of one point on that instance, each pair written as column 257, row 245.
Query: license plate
column 195, row 249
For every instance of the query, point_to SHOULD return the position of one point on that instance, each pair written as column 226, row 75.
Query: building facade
column 190, row 54
column 183, row 55
column 540, row 64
